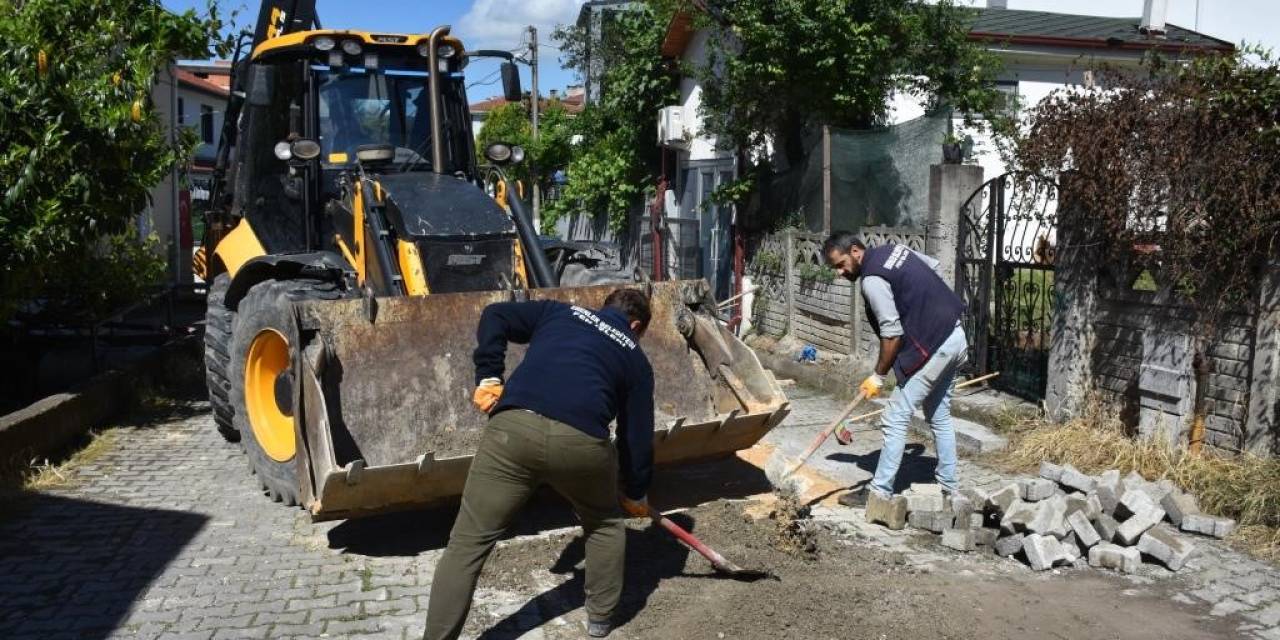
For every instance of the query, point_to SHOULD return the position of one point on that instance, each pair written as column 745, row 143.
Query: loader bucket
column 384, row 415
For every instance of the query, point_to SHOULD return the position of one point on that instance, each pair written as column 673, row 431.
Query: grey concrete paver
column 1233, row 583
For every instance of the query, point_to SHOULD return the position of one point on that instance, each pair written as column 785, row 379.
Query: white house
column 194, row 95
column 1040, row 52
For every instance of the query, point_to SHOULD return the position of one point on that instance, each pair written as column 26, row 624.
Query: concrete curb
column 49, row 424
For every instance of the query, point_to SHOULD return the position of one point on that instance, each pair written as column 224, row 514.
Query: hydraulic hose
column 535, row 258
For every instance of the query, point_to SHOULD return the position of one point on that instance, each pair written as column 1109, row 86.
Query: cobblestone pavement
column 1219, row 579
column 167, row 535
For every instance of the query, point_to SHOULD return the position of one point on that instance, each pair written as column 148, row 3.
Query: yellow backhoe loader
column 351, row 245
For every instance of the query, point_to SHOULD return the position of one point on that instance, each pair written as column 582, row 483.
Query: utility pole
column 533, row 111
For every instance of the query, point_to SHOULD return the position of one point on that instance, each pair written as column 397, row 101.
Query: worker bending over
column 917, row 318
column 549, row 425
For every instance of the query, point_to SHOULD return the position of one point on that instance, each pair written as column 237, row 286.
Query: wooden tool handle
column 826, row 433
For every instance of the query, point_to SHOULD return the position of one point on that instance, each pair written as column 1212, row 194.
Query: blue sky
column 499, row 24
column 482, row 24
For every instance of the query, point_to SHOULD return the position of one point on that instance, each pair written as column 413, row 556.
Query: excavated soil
column 824, row 588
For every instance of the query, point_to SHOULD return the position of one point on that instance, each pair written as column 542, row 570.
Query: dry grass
column 1243, row 487
column 44, row 474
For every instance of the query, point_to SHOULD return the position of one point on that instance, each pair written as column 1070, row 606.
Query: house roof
column 1017, row 26
column 679, row 31
column 203, row 85
column 573, row 104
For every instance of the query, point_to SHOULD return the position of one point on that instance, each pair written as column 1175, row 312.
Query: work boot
column 856, row 499
column 599, row 628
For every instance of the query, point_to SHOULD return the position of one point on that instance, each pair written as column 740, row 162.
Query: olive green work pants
column 520, row 451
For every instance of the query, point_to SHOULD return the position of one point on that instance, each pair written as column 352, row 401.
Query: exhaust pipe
column 433, row 88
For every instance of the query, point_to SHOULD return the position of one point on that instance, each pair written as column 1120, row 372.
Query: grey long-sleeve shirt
column 879, row 295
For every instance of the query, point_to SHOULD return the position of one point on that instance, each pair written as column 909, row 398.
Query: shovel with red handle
column 717, row 561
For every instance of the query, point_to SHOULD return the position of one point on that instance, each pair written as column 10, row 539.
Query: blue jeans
column 930, row 389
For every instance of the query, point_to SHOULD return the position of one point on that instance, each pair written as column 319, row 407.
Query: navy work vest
column 927, row 307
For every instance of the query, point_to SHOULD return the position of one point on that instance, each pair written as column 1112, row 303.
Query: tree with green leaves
column 618, row 156
column 775, row 70
column 81, row 143
column 510, row 123
column 1175, row 171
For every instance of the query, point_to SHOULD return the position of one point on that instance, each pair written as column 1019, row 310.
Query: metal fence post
column 789, row 276
column 826, row 179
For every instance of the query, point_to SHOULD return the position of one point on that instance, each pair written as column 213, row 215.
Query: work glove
column 635, row 508
column 487, row 394
column 872, row 385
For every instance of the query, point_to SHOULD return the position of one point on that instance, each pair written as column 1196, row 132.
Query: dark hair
column 631, row 302
column 842, row 240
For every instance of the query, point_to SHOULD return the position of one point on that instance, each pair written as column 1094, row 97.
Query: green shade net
column 878, row 177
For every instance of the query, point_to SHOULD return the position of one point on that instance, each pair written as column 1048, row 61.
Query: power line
column 489, row 79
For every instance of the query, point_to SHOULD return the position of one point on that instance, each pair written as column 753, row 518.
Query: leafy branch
column 1175, row 169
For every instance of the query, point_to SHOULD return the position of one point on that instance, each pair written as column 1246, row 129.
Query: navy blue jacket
column 928, row 308
column 582, row 368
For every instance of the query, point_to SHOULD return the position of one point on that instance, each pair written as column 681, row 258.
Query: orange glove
column 872, row 385
column 635, row 508
column 487, row 394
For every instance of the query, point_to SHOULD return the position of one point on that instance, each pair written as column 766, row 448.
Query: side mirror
column 511, row 82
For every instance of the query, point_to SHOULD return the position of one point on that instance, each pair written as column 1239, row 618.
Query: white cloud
column 501, row 23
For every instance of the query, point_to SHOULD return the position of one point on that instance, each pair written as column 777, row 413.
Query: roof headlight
column 351, row 47
column 498, row 152
column 446, row 51
column 423, row 49
column 323, row 43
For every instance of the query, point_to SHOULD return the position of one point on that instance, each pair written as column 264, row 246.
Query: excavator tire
column 262, row 351
column 217, row 353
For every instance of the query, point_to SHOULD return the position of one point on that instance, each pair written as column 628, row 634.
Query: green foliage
column 734, row 191
column 777, row 68
column 511, row 123
column 766, row 262
column 617, row 158
column 117, row 270
column 811, row 272
column 1182, row 160
column 80, row 140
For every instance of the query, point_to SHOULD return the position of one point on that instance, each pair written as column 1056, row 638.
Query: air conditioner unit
column 671, row 127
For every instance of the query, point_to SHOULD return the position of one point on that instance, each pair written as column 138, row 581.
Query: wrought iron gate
column 1004, row 273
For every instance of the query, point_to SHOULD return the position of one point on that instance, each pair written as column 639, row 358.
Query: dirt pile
column 796, row 532
column 827, row 587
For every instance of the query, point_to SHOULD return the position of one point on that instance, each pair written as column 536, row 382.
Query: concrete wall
column 1138, row 351
column 1126, row 319
column 790, row 301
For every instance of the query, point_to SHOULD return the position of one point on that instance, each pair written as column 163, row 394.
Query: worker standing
column 549, row 425
column 917, row 318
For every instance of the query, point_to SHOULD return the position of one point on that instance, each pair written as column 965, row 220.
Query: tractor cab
column 340, row 121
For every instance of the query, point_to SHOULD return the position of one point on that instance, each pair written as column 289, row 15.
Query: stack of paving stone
column 1066, row 517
